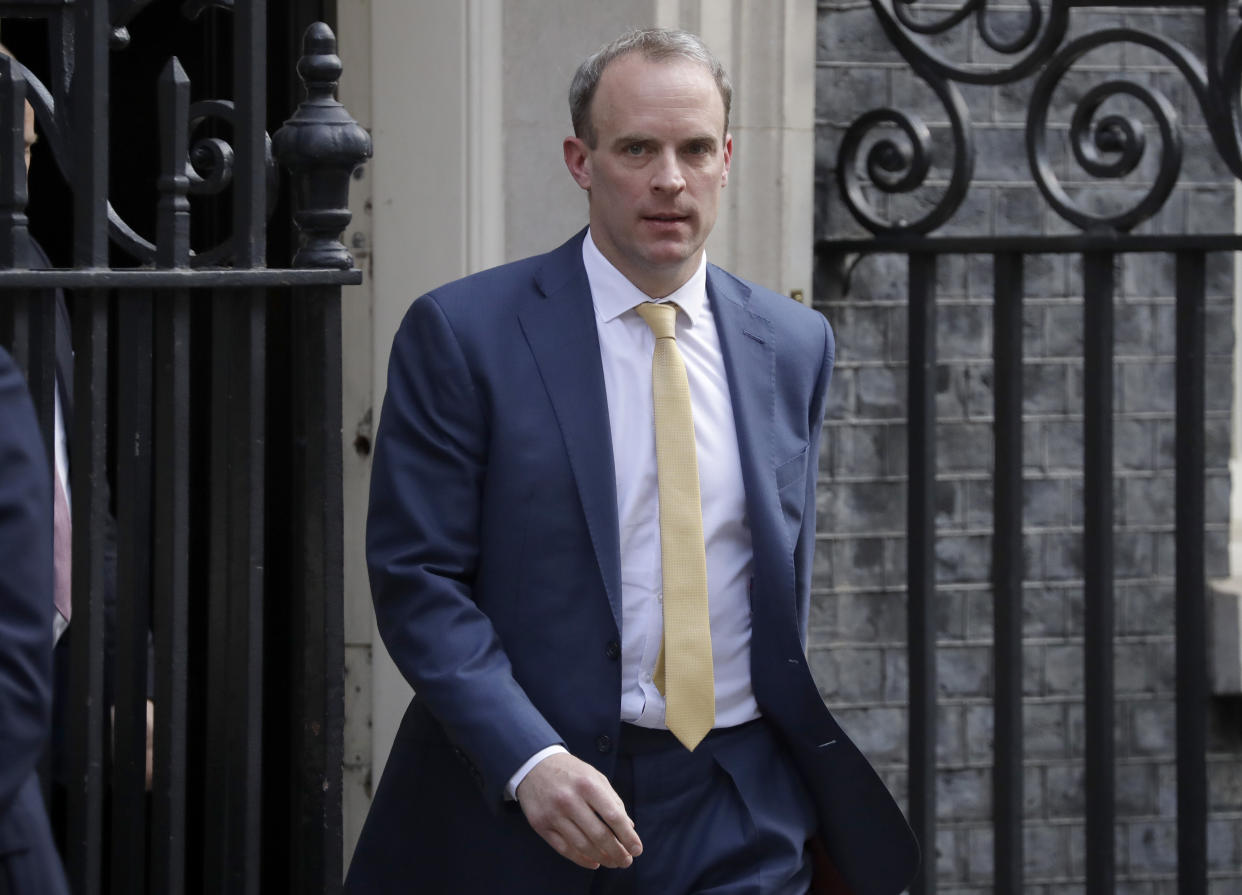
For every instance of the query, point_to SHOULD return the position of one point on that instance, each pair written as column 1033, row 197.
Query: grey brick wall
column 858, row 638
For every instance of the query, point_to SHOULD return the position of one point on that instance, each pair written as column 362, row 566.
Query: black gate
column 205, row 433
column 904, row 178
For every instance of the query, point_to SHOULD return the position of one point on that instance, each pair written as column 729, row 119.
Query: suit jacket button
column 612, row 650
column 603, row 743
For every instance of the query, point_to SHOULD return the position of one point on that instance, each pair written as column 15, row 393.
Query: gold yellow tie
column 686, row 661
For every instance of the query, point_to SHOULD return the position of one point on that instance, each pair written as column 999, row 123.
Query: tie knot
column 661, row 317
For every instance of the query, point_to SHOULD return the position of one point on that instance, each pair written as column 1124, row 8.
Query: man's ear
column 728, row 158
column 578, row 161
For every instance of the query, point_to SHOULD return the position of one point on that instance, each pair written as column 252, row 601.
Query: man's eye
column 634, row 149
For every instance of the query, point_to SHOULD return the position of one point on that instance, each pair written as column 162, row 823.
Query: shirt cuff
column 516, row 780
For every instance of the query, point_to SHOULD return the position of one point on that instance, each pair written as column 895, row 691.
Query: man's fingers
column 573, row 807
column 622, row 827
column 564, row 849
column 611, row 827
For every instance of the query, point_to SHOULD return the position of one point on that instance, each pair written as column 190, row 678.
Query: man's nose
column 668, row 176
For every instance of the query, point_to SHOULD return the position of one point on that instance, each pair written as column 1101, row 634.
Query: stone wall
column 858, row 635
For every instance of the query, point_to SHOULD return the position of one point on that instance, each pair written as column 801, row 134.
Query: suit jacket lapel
column 748, row 343
column 560, row 328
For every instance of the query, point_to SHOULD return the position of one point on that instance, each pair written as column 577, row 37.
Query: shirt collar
column 613, row 295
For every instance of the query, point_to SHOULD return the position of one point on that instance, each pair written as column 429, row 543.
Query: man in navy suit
column 28, row 858
column 519, row 564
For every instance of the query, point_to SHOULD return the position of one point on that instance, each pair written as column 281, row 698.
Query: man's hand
column 573, row 807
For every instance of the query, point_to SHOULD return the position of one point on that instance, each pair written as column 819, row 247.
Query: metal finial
column 321, row 145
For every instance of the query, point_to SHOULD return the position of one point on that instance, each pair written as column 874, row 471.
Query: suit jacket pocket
column 792, row 470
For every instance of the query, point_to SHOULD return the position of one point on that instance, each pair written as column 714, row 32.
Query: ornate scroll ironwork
column 209, row 159
column 1107, row 140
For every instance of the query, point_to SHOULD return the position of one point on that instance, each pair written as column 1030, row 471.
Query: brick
column 1132, row 669
column 964, row 671
column 966, row 792
column 1147, row 387
column 1066, row 795
column 858, row 562
column 949, row 504
column 1133, row 445
column 862, row 506
column 979, row 608
column 978, row 503
column 862, row 331
column 880, row 392
column 1224, row 852
column 951, row 622
column 1152, row 846
column 1148, row 501
column 1043, row 611
column 950, row 734
column 880, row 732
column 964, row 558
column 1063, row 669
column 842, row 394
column 980, row 864
column 1225, row 784
column 946, row 855
column 1045, row 851
column 896, row 676
column 1045, row 731
column 1135, row 789
column 1045, row 388
column 838, row 90
column 1045, row 502
column 1154, row 728
column 846, row 674
column 858, row 451
column 1134, row 332
column 873, row 616
column 964, row 446
column 1063, row 331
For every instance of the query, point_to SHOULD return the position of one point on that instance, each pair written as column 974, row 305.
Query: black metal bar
column 1099, row 274
column 1041, row 245
column 1007, row 573
column 13, row 233
column 89, row 147
column 171, row 572
column 198, row 279
column 235, row 662
column 921, row 564
column 249, row 134
column 173, row 250
column 1191, row 611
column 132, row 441
column 317, row 710
column 88, row 457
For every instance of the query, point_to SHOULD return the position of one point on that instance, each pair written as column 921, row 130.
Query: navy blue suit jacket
column 28, row 858
column 495, row 568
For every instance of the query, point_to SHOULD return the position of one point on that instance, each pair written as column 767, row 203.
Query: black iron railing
column 206, row 428
column 887, row 155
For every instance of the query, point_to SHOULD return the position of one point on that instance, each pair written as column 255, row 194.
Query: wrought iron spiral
column 1109, row 146
column 901, row 163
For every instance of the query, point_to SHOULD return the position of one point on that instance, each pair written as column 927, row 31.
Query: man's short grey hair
column 657, row 45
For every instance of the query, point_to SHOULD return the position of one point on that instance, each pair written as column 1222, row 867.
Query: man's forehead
column 632, row 80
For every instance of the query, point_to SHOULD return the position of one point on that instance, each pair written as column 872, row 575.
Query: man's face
column 654, row 176
column 30, row 134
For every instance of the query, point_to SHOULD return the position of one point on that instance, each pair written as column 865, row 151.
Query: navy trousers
column 730, row 818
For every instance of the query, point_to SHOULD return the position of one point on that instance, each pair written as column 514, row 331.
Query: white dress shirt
column 626, row 346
